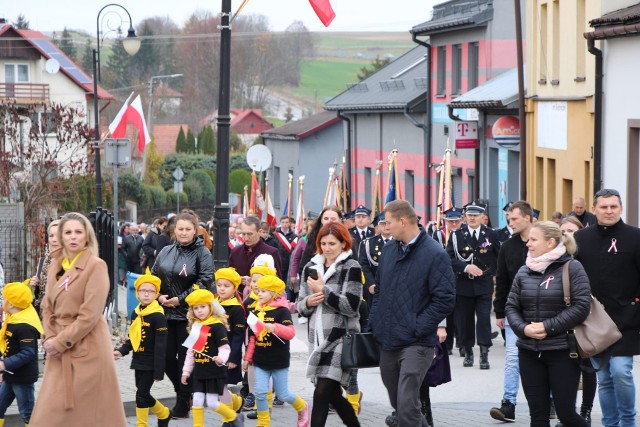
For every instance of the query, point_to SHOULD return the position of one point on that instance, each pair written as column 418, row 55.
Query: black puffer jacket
column 532, row 300
column 181, row 267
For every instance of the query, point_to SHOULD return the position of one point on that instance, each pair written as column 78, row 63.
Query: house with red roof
column 35, row 73
column 248, row 124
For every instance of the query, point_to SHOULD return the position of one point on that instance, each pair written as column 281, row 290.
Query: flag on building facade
column 323, row 9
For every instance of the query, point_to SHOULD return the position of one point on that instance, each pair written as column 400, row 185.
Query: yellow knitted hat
column 200, row 297
column 271, row 283
column 147, row 277
column 18, row 294
column 230, row 274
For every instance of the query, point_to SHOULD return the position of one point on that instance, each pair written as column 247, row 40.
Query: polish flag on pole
column 118, row 126
column 269, row 213
column 134, row 115
column 256, row 326
column 197, row 338
column 323, row 9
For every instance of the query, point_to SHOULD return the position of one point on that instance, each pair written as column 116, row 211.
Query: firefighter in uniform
column 370, row 253
column 473, row 249
column 362, row 230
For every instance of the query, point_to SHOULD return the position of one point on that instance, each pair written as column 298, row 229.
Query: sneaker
column 506, row 412
column 277, row 401
column 249, row 402
column 303, row 417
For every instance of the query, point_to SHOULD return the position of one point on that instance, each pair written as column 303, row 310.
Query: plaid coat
column 327, row 322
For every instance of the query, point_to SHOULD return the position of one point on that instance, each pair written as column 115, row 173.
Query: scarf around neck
column 229, row 302
column 66, row 264
column 135, row 330
column 28, row 316
column 541, row 263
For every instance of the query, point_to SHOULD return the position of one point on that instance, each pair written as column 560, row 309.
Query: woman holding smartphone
column 330, row 295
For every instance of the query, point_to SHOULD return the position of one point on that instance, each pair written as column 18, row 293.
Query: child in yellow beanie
column 19, row 347
column 268, row 350
column 227, row 282
column 148, row 340
column 207, row 356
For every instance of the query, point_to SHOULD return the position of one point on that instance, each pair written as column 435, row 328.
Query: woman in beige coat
column 80, row 387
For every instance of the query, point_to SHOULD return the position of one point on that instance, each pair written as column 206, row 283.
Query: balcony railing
column 24, row 93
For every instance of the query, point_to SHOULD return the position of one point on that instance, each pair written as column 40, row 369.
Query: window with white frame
column 16, row 73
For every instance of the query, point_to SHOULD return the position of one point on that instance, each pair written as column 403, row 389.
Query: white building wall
column 620, row 103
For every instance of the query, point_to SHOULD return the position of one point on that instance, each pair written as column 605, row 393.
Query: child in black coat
column 19, row 348
column 148, row 340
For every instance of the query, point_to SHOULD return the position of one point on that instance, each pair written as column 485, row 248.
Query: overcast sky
column 351, row 15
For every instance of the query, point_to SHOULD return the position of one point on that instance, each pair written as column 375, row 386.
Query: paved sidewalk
column 464, row 402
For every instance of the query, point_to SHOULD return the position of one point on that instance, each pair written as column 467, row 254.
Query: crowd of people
column 417, row 289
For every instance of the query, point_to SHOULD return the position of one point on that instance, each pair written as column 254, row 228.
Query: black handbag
column 360, row 350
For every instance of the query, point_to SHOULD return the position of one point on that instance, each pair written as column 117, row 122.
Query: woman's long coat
column 80, row 387
column 329, row 322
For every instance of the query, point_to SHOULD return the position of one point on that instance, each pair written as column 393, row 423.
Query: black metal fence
column 104, row 227
column 22, row 246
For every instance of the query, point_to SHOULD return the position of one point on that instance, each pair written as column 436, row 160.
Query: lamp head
column 131, row 43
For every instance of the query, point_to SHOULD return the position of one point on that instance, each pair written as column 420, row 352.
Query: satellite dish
column 259, row 158
column 52, row 66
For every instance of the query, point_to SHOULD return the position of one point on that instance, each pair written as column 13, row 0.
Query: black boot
column 182, row 406
column 426, row 411
column 468, row 357
column 506, row 412
column 586, row 414
column 484, row 357
column 392, row 420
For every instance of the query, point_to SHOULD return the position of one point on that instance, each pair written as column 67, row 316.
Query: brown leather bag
column 598, row 332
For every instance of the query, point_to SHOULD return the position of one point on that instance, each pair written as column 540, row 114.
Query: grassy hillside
column 339, row 58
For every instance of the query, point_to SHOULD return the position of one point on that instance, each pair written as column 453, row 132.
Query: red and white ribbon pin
column 65, row 284
column 183, row 272
column 613, row 246
column 546, row 282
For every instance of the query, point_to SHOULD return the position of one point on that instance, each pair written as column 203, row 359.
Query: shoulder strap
column 565, row 283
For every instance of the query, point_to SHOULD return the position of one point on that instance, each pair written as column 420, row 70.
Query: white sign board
column 552, row 125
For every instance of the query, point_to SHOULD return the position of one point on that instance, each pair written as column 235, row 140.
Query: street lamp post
column 221, row 209
column 131, row 45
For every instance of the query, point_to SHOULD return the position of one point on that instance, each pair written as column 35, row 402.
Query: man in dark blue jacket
column 415, row 292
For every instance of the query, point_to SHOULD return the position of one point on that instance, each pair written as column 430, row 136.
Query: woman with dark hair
column 328, row 214
column 330, row 296
column 183, row 266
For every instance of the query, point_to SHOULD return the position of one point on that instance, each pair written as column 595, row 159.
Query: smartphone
column 313, row 273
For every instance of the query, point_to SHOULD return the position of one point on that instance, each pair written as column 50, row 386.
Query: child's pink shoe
column 303, row 417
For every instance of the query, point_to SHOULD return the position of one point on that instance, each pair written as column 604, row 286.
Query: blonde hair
column 92, row 241
column 191, row 317
column 551, row 230
column 54, row 223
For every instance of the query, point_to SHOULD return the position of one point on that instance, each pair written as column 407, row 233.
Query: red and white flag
column 270, row 212
column 300, row 207
column 256, row 326
column 323, row 9
column 118, row 126
column 197, row 338
column 132, row 114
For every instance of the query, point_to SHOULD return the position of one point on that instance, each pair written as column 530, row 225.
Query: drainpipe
column 597, row 126
column 522, row 117
column 348, row 156
column 426, row 128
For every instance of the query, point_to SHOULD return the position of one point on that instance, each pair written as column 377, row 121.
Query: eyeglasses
column 146, row 291
column 605, row 192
